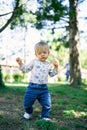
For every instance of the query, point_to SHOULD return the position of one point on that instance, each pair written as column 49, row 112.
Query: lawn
column 69, row 108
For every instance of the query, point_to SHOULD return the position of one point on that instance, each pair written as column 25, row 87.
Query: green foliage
column 49, row 10
column 46, row 125
column 17, row 77
column 14, row 77
column 6, row 77
column 84, row 80
column 18, row 18
column 22, row 17
column 83, row 59
column 61, row 53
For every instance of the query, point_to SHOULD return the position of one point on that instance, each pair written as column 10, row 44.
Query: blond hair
column 40, row 45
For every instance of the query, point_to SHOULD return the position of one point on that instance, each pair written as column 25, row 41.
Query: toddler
column 37, row 89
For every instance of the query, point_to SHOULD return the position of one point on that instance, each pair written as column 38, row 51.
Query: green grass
column 68, row 112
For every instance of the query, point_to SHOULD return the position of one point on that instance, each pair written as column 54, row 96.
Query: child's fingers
column 55, row 61
column 18, row 60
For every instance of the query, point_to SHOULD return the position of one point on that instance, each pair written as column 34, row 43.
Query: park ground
column 69, row 108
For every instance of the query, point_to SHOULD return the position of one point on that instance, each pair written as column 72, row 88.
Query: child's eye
column 44, row 52
column 39, row 53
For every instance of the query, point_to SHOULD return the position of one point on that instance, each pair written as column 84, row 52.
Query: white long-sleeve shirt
column 39, row 71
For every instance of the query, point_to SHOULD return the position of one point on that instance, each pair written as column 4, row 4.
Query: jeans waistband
column 37, row 86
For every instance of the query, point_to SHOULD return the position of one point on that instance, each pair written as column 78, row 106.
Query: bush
column 6, row 77
column 17, row 77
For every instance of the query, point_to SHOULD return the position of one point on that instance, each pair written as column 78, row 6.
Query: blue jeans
column 67, row 75
column 41, row 93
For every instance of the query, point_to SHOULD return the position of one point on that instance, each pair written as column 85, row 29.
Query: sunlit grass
column 16, row 84
column 74, row 113
column 69, row 107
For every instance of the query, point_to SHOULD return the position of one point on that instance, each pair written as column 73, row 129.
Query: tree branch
column 11, row 18
column 5, row 14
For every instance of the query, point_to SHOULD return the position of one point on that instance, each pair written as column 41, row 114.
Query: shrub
column 6, row 77
column 17, row 77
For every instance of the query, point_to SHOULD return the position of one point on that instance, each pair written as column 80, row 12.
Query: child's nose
column 42, row 54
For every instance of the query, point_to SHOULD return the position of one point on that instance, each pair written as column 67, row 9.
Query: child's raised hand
column 19, row 61
column 55, row 63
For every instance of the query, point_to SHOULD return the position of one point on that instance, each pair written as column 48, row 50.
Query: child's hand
column 55, row 63
column 19, row 61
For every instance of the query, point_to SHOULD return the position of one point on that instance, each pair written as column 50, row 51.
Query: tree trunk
column 75, row 78
column 1, row 79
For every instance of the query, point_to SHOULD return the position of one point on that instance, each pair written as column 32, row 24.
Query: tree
column 19, row 16
column 13, row 16
column 1, row 79
column 73, row 43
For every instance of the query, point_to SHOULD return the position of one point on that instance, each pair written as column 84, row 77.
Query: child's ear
column 35, row 53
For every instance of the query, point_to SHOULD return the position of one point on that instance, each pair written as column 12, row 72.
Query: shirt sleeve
column 27, row 68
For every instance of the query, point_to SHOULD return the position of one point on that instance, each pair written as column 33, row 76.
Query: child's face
column 42, row 53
